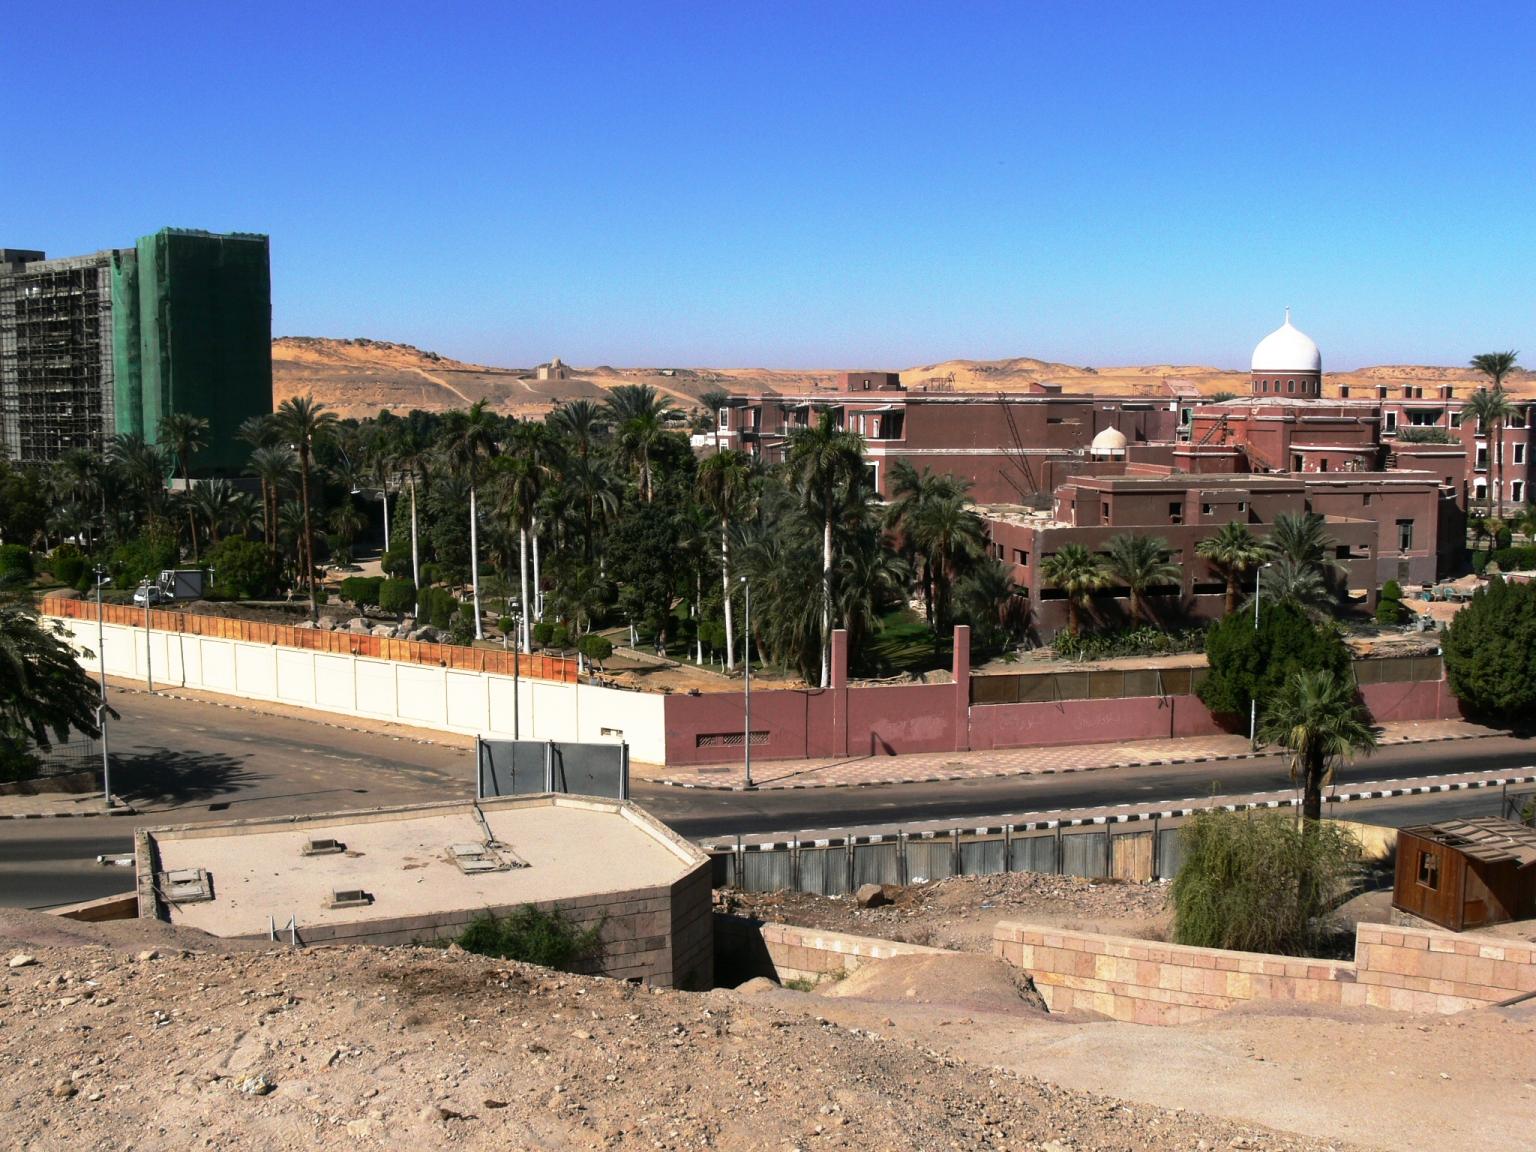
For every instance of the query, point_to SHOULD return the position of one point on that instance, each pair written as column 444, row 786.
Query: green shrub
column 549, row 939
column 1490, row 653
column 142, row 558
column 397, row 597
column 543, row 632
column 1411, row 435
column 1249, row 663
column 1391, row 590
column 1260, row 882
column 361, row 591
column 594, row 647
column 506, row 624
column 67, row 564
column 1391, row 612
column 1479, row 562
column 1132, row 642
column 438, row 606
column 560, row 637
column 397, row 561
column 712, row 632
column 15, row 564
column 1514, row 559
column 242, row 569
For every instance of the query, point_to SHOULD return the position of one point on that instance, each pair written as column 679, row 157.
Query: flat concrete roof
column 573, row 847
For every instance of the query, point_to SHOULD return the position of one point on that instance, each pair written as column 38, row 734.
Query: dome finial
column 1287, row 313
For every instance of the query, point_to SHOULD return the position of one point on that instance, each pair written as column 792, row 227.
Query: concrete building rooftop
column 545, row 848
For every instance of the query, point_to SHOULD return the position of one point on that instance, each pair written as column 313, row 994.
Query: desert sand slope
column 360, row 377
column 417, row 1048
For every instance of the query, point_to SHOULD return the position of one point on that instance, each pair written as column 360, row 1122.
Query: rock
column 21, row 960
column 358, row 624
column 258, row 1085
column 871, row 896
column 385, row 630
column 495, row 1103
column 63, row 1089
column 305, row 624
column 361, row 1129
column 148, row 954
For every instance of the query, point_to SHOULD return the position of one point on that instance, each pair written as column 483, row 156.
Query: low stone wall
column 122, row 907
column 1148, row 982
column 661, row 935
column 745, row 948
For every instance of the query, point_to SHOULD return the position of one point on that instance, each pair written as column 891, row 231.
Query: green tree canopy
column 1316, row 716
column 44, row 693
column 242, row 569
column 1249, row 663
column 1490, row 653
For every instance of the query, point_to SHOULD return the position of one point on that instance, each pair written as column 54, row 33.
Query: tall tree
column 305, row 423
column 637, row 411
column 519, row 481
column 1493, row 410
column 1234, row 551
column 186, row 434
column 1078, row 573
column 44, row 693
column 1303, row 539
column 724, row 483
column 469, row 439
column 950, row 536
column 1140, row 563
column 274, row 466
column 910, row 493
column 1317, row 717
column 827, row 464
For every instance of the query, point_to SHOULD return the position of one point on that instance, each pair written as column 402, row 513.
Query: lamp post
column 746, row 683
column 101, row 709
column 1253, row 703
column 517, row 660
column 149, row 676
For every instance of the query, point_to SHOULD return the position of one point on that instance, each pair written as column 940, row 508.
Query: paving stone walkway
column 938, row 766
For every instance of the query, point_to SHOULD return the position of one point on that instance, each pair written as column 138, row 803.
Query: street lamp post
column 149, row 676
column 746, row 683
column 517, row 660
column 1253, row 703
column 101, row 709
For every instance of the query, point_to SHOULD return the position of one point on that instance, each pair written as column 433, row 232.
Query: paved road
column 184, row 761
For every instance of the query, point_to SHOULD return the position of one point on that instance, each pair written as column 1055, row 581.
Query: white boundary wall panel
column 472, row 703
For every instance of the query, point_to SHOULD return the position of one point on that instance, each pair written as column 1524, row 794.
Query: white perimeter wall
column 473, row 703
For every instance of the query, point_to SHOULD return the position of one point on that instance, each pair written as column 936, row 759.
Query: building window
column 1391, row 421
column 1455, row 419
column 1367, row 500
column 1290, row 385
column 1104, row 511
column 1322, row 465
column 1404, row 535
column 1175, row 512
column 1242, row 505
column 1519, row 453
column 1206, row 510
column 1517, row 491
column 725, row 417
column 1429, row 871
column 1020, row 557
column 1482, row 457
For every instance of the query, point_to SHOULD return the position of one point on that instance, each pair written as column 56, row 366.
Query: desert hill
column 359, row 377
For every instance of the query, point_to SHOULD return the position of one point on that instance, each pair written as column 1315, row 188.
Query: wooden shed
column 1463, row 874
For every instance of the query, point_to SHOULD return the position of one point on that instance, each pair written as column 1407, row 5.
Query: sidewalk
column 939, row 766
column 46, row 805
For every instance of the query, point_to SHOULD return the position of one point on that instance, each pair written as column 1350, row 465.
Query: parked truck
column 173, row 584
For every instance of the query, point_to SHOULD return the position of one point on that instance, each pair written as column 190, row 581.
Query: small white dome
column 1287, row 349
column 1110, row 442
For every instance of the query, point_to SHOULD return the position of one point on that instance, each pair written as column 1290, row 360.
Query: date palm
column 1078, row 573
column 1318, row 718
column 469, row 440
column 724, row 482
column 274, row 466
column 186, row 435
column 214, row 501
column 1140, row 563
column 912, row 491
column 305, row 423
column 827, row 466
column 950, row 536
column 1493, row 410
column 637, row 411
column 1303, row 539
column 519, row 482
column 1233, row 551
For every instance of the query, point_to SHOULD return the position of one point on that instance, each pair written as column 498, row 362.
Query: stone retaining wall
column 1149, row 982
column 745, row 948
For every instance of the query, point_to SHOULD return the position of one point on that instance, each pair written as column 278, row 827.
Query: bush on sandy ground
column 1261, row 882
column 549, row 939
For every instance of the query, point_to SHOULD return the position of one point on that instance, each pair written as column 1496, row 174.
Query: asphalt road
column 184, row 761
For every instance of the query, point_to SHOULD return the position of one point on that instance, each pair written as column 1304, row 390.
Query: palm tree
column 911, row 492
column 870, row 577
column 274, row 466
column 637, row 411
column 1078, row 573
column 1316, row 717
column 544, row 453
column 1283, row 581
column 1493, row 410
column 949, row 535
column 469, row 439
column 186, row 434
column 1140, row 563
column 410, row 454
column 214, row 501
column 580, row 422
column 724, row 482
column 304, row 423
column 1302, row 538
column 519, row 483
column 1233, row 551
column 143, row 467
column 827, row 464
column 993, row 603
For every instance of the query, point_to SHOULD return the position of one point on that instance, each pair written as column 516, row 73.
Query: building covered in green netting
column 115, row 342
column 193, row 334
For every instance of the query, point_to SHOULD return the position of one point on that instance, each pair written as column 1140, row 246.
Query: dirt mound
column 21, row 930
column 953, row 979
column 419, row 1048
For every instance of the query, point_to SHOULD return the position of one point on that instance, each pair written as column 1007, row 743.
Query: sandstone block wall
column 784, row 952
column 1148, row 982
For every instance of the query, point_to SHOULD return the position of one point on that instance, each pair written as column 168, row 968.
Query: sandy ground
column 102, row 1048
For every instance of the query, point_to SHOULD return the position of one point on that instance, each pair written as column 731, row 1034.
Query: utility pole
column 1253, row 703
column 101, row 709
column 746, row 683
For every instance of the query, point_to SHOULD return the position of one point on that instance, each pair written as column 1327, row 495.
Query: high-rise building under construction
column 114, row 342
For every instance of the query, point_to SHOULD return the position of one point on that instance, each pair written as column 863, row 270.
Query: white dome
column 1110, row 442
column 1287, row 349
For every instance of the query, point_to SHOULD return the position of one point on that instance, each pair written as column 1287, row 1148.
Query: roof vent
column 349, row 898
column 186, row 885
column 323, row 847
column 473, row 858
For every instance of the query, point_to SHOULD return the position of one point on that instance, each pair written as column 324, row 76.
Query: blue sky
column 810, row 185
